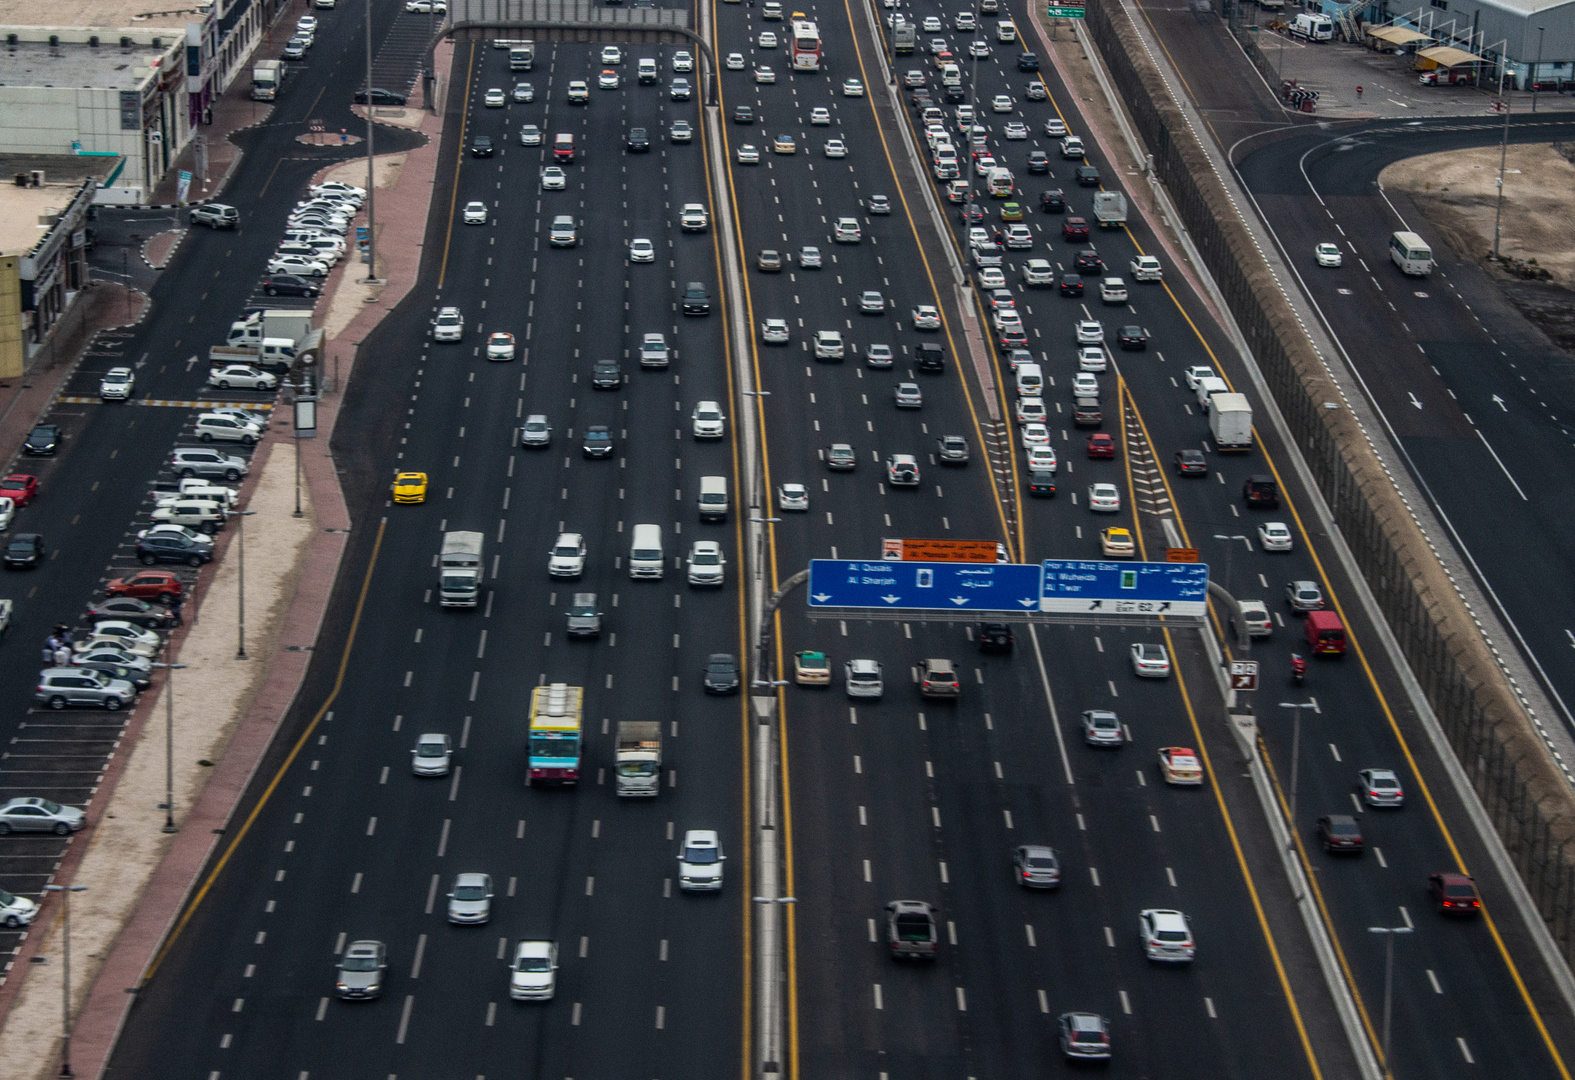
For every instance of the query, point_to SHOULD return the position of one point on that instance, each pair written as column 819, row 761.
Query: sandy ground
column 1457, row 190
column 210, row 696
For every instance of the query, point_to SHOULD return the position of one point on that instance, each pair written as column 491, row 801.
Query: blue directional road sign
column 924, row 586
column 1087, row 587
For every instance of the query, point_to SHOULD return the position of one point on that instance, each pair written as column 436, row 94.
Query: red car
column 19, row 488
column 1074, row 228
column 1101, row 446
column 147, row 585
column 1455, row 894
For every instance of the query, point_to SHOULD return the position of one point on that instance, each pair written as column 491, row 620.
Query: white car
column 495, row 98
column 7, row 511
column 792, row 497
column 1092, row 358
column 735, row 61
column 828, row 345
column 1016, row 130
column 500, row 346
column 242, row 375
column 117, row 384
column 846, row 231
column 1042, row 459
column 642, row 251
column 16, row 911
column 836, row 148
column 852, row 88
column 607, row 80
column 926, row 317
column 1055, row 127
column 683, row 61
column 706, row 563
column 1072, row 148
column 700, row 861
column 775, row 332
column 553, row 178
column 449, row 325
column 567, row 557
column 612, row 54
column 1085, row 385
column 211, row 426
column 1104, row 498
column 1327, row 255
column 533, row 976
column 991, row 277
column 297, row 264
column 1196, row 372
column 1036, row 435
column 1002, row 104
column 123, row 635
column 530, row 135
column 1031, row 410
column 1274, row 536
column 1166, row 935
column 341, row 189
column 979, row 48
column 475, row 213
column 653, row 350
column 931, row 24
column 524, row 93
column 820, row 116
column 1090, row 332
column 748, row 154
column 862, row 679
column 709, row 423
column 765, row 76
column 767, row 40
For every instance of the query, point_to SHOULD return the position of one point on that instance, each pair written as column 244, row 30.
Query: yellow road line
column 167, row 403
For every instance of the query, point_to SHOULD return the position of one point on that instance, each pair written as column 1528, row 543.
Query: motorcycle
column 1298, row 669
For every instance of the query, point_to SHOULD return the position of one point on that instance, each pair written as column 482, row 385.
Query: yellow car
column 1011, row 211
column 1179, row 765
column 811, row 668
column 784, row 144
column 1116, row 543
column 410, row 487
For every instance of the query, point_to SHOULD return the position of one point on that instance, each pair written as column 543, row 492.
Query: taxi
column 784, row 144
column 410, row 487
column 500, row 346
column 1116, row 543
column 811, row 668
column 1011, row 211
column 1180, row 765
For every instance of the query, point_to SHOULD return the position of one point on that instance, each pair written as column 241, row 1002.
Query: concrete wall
column 1526, row 796
column 12, row 353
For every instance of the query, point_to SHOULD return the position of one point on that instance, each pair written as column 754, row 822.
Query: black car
column 598, row 442
column 721, row 674
column 744, row 114
column 1134, row 338
column 172, row 548
column 1041, row 484
column 132, row 610
column 930, row 357
column 1088, row 175
column 954, row 94
column 606, row 375
column 1261, row 491
column 696, row 301
column 139, row 679
column 481, row 146
column 638, row 141
column 289, row 285
column 972, row 214
column 379, row 97
column 24, row 550
column 1340, row 832
column 1088, row 262
column 1191, row 463
column 1071, row 284
column 995, row 637
column 1052, row 201
column 1027, row 61
column 1038, row 161
column 42, row 441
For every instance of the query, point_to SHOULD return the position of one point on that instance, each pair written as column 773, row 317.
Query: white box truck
column 1230, row 421
column 460, row 569
column 292, row 323
column 267, row 76
column 639, row 758
column 1110, row 209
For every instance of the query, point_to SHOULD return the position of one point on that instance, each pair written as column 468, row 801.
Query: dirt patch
column 1458, row 193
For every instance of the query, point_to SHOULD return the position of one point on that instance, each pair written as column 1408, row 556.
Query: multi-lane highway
column 901, row 798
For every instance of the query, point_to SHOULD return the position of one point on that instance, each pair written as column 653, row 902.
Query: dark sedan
column 1191, row 463
column 1340, row 833
column 606, row 375
column 140, row 679
column 481, row 146
column 379, row 96
column 289, row 285
column 598, row 442
column 1088, row 262
column 173, row 548
column 638, row 142
column 744, row 114
column 43, row 440
column 721, row 674
column 1134, row 338
column 1071, row 285
column 1038, row 162
column 1088, row 176
column 132, row 610
column 1052, row 201
column 24, row 551
column 1074, row 228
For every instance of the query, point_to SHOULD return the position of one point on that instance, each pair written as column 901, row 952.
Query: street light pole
column 240, row 650
column 65, row 978
column 1389, row 933
column 1232, row 541
column 371, row 185
column 1540, row 31
column 1296, row 750
column 169, row 739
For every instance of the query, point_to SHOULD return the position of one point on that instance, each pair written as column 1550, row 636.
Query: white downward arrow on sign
column 822, row 597
column 959, row 600
column 891, row 599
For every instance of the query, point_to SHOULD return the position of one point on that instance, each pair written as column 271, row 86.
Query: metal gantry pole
column 1296, row 751
column 240, row 650
column 371, row 198
column 65, row 892
column 1389, row 933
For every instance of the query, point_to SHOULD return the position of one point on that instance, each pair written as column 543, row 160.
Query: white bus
column 806, row 44
column 1411, row 254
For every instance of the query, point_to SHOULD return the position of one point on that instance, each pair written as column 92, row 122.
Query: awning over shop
column 1448, row 56
column 1397, row 35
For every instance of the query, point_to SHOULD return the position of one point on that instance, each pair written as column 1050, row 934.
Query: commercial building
column 1522, row 41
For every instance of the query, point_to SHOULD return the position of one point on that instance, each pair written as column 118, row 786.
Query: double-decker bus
column 555, row 712
column 806, row 44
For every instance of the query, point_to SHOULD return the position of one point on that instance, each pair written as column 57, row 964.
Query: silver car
column 1381, row 787
column 361, row 970
column 536, row 431
column 862, row 679
column 1101, row 727
column 1035, row 866
column 39, row 815
column 76, row 687
column 431, row 755
column 470, row 900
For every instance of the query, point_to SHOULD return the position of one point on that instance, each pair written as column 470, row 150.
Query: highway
column 901, row 798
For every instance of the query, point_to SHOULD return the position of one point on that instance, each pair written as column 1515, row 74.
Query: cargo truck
column 267, row 76
column 639, row 758
column 555, row 721
column 903, row 36
column 277, row 353
column 460, row 569
column 292, row 323
column 1230, row 421
column 522, row 56
column 1110, row 209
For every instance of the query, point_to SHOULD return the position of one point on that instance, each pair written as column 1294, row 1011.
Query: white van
column 1030, row 380
column 1411, row 254
column 1005, row 30
column 1313, row 27
column 646, row 559
column 1208, row 387
column 645, row 71
column 951, row 75
column 713, row 498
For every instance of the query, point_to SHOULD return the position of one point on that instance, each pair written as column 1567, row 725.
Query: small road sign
column 1244, row 674
column 939, row 550
column 1055, row 12
column 1181, row 554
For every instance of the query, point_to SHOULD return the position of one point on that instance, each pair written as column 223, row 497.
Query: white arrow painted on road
column 1415, row 402
column 1500, row 403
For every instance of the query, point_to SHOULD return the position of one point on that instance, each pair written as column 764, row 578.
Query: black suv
column 606, row 375
column 42, row 441
column 995, row 637
column 721, row 674
column 696, row 300
column 1261, row 491
column 1052, row 201
column 638, row 141
column 172, row 547
column 930, row 357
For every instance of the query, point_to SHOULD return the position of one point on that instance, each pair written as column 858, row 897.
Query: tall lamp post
column 169, row 740
column 1231, row 540
column 1389, row 933
column 1296, row 750
column 1540, row 31
column 240, row 542
column 65, row 981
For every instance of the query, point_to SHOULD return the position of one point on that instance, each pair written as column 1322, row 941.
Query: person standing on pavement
column 49, row 653
column 63, row 656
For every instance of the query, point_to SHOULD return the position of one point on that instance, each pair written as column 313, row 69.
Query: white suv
column 700, row 861
column 1166, row 935
column 567, row 557
column 708, row 420
column 449, row 325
